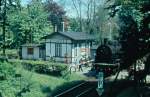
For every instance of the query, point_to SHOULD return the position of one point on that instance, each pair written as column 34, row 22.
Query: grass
column 43, row 79
column 41, row 85
column 49, row 80
column 48, row 84
column 39, row 82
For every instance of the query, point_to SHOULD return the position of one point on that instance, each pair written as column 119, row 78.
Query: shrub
column 46, row 67
column 11, row 53
column 6, row 70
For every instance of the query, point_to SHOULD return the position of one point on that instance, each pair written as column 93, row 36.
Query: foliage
column 6, row 71
column 56, row 14
column 73, row 24
column 10, row 53
column 134, row 32
column 45, row 67
column 29, row 83
column 24, row 24
column 29, row 24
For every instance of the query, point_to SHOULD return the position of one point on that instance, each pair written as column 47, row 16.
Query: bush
column 30, row 84
column 3, row 59
column 6, row 70
column 7, row 73
column 11, row 53
column 44, row 67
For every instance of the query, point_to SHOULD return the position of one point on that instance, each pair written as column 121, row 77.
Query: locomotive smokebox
column 103, row 53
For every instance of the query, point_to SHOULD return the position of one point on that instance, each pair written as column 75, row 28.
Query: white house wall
column 77, row 57
column 65, row 44
column 50, row 50
column 36, row 53
column 25, row 54
column 64, row 49
column 67, row 48
column 52, row 53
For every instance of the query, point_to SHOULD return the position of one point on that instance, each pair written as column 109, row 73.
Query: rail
column 78, row 90
column 59, row 95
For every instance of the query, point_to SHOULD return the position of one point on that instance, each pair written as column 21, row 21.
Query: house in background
column 33, row 51
column 68, row 46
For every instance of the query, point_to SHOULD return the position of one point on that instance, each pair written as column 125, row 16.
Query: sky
column 65, row 3
column 24, row 2
column 68, row 6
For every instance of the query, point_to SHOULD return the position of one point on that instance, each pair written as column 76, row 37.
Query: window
column 58, row 50
column 75, row 49
column 30, row 51
column 50, row 47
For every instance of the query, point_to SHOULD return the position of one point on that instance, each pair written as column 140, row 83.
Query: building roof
column 73, row 35
column 94, row 47
column 31, row 45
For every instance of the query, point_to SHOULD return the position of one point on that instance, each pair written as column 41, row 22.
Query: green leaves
column 134, row 31
column 25, row 24
column 6, row 70
column 28, row 24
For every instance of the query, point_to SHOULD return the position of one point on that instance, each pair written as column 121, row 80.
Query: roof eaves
column 67, row 36
column 45, row 37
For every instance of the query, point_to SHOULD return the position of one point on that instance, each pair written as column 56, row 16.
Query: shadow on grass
column 113, row 89
column 46, row 89
column 62, row 88
column 51, row 73
column 90, row 73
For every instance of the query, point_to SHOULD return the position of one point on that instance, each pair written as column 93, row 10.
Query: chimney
column 63, row 26
column 55, row 28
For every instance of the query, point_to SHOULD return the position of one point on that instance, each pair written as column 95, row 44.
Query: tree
column 5, row 6
column 37, row 20
column 73, row 24
column 134, row 20
column 3, row 15
column 134, row 33
column 92, row 17
column 28, row 24
column 56, row 14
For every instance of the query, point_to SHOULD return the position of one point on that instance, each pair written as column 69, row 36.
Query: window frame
column 58, row 50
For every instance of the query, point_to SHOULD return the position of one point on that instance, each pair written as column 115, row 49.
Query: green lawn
column 40, row 84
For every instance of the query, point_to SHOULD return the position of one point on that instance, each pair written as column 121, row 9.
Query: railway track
column 85, row 89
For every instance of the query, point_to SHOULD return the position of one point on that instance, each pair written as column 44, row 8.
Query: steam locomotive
column 105, row 60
